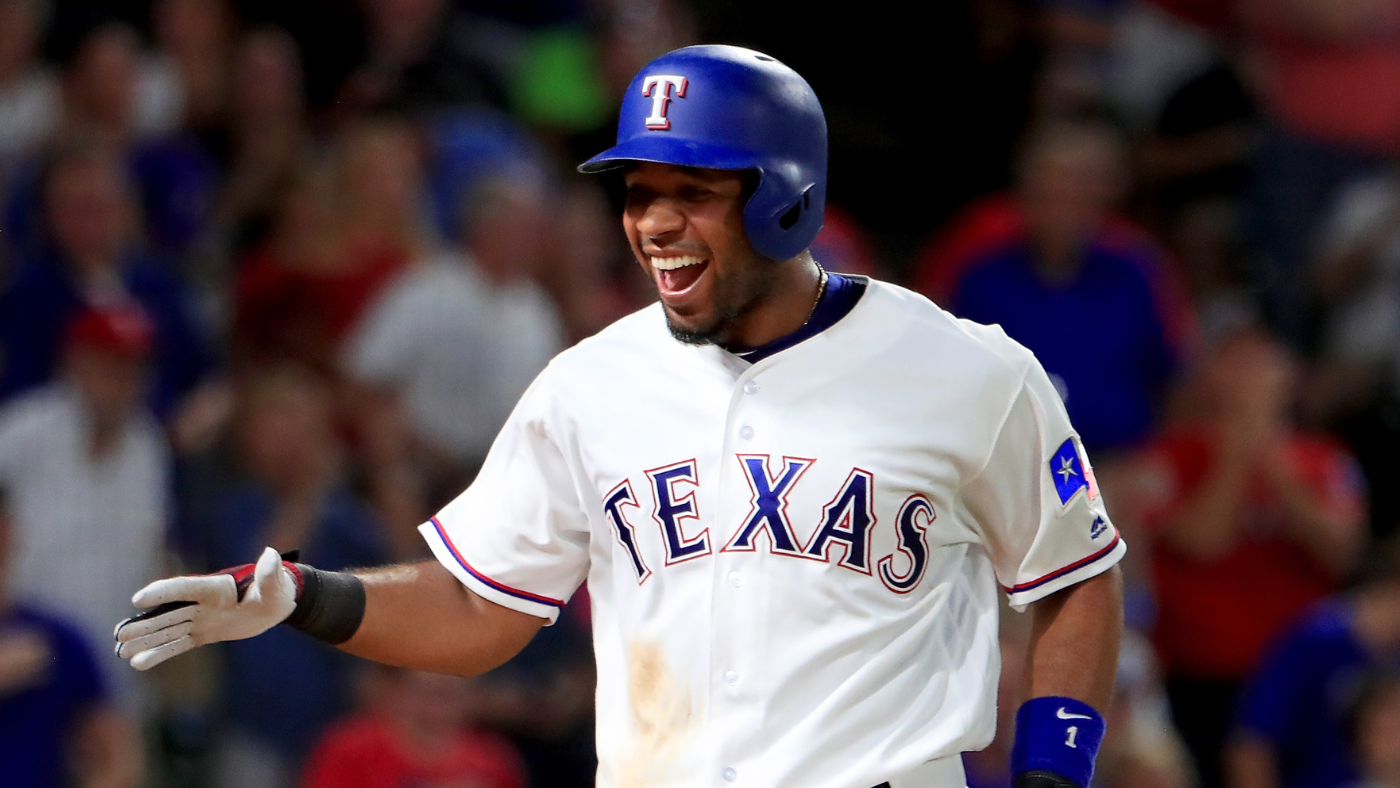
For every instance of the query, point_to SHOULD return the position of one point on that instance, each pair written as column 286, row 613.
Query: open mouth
column 676, row 275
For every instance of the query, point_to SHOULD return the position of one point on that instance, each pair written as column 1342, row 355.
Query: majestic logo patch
column 1067, row 471
column 1097, row 528
column 661, row 88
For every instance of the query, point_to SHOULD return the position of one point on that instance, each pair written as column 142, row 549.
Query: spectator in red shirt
column 1330, row 69
column 339, row 237
column 417, row 734
column 1252, row 521
column 298, row 295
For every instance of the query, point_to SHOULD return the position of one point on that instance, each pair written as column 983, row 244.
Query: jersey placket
column 739, row 592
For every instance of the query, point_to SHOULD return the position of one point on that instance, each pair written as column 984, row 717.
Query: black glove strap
column 330, row 606
column 1038, row 779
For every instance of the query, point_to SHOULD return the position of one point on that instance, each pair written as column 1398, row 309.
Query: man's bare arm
column 419, row 616
column 1074, row 641
column 1072, row 660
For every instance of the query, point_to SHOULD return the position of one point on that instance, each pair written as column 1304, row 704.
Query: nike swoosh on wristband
column 1064, row 715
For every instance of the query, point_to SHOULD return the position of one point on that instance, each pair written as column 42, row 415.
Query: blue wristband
column 1059, row 735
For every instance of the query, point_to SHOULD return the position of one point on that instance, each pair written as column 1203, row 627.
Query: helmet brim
column 663, row 149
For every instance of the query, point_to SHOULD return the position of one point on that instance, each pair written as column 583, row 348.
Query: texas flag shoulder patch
column 1068, row 471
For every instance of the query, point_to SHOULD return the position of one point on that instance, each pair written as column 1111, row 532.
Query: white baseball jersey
column 793, row 564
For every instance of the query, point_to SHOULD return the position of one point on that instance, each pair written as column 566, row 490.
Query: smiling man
column 793, row 495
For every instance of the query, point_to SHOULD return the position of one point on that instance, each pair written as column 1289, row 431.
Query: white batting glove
column 194, row 610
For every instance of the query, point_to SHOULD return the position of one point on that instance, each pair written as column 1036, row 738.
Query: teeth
column 672, row 263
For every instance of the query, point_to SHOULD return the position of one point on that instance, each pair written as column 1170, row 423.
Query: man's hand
column 195, row 610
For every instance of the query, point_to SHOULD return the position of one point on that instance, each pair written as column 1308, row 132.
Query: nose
column 661, row 221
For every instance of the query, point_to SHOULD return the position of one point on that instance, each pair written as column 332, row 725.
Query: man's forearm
column 1072, row 661
column 419, row 616
column 1074, row 641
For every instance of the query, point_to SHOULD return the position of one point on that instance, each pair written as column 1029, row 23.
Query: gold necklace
column 821, row 291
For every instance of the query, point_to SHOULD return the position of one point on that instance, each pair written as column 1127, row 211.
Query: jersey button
column 746, row 432
column 730, row 775
column 736, row 579
column 750, row 387
column 731, row 678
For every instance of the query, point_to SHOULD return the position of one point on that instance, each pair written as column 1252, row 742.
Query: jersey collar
column 841, row 296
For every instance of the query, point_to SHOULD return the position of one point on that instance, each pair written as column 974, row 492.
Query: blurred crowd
column 1199, row 242
column 275, row 274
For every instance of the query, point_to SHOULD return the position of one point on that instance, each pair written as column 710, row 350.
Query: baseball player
column 797, row 498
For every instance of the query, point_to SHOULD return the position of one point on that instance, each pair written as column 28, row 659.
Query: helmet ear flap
column 783, row 230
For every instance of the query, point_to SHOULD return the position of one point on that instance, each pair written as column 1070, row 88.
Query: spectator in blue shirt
column 1291, row 729
column 278, row 482
column 90, row 259
column 174, row 177
column 58, row 726
column 1092, row 298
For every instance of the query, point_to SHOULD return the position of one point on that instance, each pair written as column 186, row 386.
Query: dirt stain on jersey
column 661, row 716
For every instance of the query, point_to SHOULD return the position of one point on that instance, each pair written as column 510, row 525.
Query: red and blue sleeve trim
column 502, row 587
column 1062, row 571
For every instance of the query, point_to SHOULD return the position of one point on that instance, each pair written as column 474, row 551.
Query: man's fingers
column 126, row 649
column 200, row 589
column 265, row 577
column 149, row 659
column 132, row 629
column 152, row 612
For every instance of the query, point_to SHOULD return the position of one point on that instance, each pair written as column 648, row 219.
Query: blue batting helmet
column 730, row 108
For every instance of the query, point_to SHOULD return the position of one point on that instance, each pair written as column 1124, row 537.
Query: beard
column 714, row 334
column 732, row 298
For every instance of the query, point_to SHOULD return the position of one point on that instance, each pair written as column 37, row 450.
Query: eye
column 695, row 193
column 638, row 194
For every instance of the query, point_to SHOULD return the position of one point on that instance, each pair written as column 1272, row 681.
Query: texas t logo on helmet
column 658, row 89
